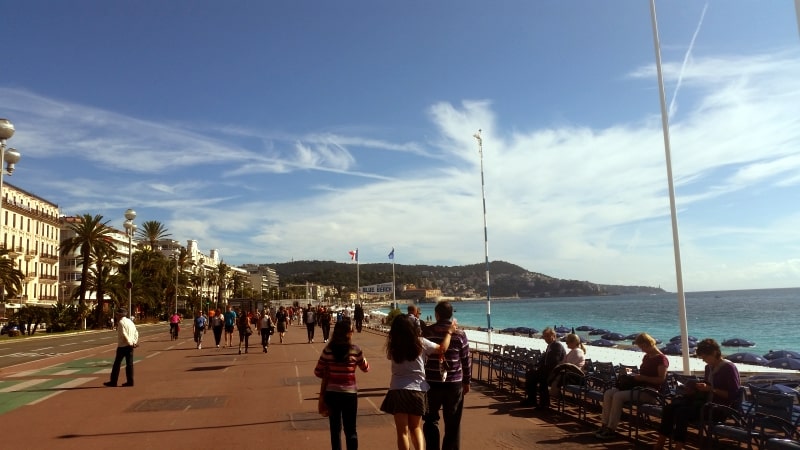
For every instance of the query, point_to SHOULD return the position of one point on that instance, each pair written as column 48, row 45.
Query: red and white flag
column 354, row 255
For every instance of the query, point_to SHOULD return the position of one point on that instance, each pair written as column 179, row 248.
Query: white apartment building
column 29, row 230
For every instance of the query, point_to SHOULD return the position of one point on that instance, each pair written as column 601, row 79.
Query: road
column 20, row 350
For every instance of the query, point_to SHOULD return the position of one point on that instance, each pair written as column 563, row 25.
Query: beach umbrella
column 598, row 332
column 775, row 354
column 678, row 339
column 603, row 343
column 785, row 363
column 614, row 336
column 585, row 328
column 747, row 358
column 632, row 336
column 737, row 342
column 562, row 329
column 508, row 330
column 674, row 348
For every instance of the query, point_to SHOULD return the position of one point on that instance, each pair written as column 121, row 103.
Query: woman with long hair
column 244, row 331
column 337, row 367
column 406, row 398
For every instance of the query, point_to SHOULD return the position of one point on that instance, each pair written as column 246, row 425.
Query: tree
column 152, row 231
column 10, row 277
column 90, row 234
column 100, row 278
column 222, row 281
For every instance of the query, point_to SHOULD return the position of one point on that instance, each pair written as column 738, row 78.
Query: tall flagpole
column 675, row 240
column 394, row 288
column 485, row 245
column 797, row 11
column 358, row 279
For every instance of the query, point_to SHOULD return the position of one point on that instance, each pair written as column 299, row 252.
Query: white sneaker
column 199, row 346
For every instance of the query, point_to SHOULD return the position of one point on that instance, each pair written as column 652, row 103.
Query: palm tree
column 10, row 277
column 222, row 278
column 101, row 278
column 90, row 233
column 152, row 231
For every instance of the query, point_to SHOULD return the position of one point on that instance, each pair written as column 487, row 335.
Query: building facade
column 29, row 230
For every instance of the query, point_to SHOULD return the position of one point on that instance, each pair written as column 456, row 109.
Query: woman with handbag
column 652, row 373
column 337, row 367
column 243, row 324
column 720, row 385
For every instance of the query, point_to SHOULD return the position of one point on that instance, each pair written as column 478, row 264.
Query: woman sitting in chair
column 721, row 385
column 652, row 373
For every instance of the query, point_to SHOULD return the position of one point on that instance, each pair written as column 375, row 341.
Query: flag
column 354, row 255
column 391, row 254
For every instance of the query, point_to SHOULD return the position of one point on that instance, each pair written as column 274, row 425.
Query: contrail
column 686, row 59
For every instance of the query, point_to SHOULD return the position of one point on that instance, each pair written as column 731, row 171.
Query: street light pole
column 130, row 227
column 177, row 257
column 10, row 157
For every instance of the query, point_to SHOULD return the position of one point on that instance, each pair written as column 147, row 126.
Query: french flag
column 354, row 255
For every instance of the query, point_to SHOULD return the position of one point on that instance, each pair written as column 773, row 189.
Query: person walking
column 230, row 322
column 406, row 398
column 217, row 326
column 324, row 321
column 243, row 323
column 265, row 329
column 337, row 368
column 127, row 340
column 358, row 316
column 199, row 326
column 282, row 322
column 449, row 379
column 310, row 319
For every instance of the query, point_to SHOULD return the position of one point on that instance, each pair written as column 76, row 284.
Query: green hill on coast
column 507, row 280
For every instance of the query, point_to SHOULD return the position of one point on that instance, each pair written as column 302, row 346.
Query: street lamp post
column 10, row 157
column 177, row 257
column 130, row 227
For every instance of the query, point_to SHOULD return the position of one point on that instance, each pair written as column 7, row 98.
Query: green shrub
column 392, row 314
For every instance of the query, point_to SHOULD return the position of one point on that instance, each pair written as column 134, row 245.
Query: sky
column 280, row 131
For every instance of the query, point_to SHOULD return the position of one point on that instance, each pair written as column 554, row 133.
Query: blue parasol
column 737, row 342
column 598, row 332
column 775, row 354
column 614, row 336
column 747, row 358
column 785, row 363
column 678, row 339
column 585, row 328
column 603, row 343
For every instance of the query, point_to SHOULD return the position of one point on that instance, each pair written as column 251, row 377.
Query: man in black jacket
column 536, row 379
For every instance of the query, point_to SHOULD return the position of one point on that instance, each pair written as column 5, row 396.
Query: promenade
column 186, row 398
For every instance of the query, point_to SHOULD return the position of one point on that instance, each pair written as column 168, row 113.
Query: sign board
column 383, row 288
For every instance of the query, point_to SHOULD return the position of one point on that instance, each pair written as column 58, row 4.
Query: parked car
column 11, row 330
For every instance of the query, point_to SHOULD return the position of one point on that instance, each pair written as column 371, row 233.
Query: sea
column 767, row 317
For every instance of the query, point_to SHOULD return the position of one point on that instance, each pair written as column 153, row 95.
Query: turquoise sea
column 768, row 317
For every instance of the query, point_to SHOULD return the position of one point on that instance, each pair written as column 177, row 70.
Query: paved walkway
column 216, row 398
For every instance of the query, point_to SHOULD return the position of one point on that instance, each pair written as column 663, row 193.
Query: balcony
column 15, row 251
column 30, row 255
column 48, row 258
column 30, row 276
column 48, row 279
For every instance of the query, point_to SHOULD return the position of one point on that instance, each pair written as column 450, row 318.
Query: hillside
column 507, row 280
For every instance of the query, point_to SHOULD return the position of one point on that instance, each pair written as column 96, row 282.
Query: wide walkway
column 185, row 398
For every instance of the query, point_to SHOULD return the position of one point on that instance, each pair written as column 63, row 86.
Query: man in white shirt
column 127, row 339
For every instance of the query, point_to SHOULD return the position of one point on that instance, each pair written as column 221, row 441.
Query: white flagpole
column 358, row 279
column 394, row 287
column 797, row 11
column 485, row 246
column 675, row 240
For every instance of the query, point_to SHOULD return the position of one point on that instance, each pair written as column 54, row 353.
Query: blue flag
column 391, row 254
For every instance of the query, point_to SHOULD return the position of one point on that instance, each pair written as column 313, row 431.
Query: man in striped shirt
column 446, row 392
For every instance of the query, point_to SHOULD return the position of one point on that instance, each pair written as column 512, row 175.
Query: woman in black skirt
column 406, row 397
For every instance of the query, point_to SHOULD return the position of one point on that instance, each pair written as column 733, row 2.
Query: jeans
column 342, row 407
column 127, row 353
column 217, row 334
column 310, row 328
column 450, row 398
column 675, row 419
column 265, row 337
column 326, row 330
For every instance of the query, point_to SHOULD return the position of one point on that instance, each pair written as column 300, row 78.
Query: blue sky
column 293, row 130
